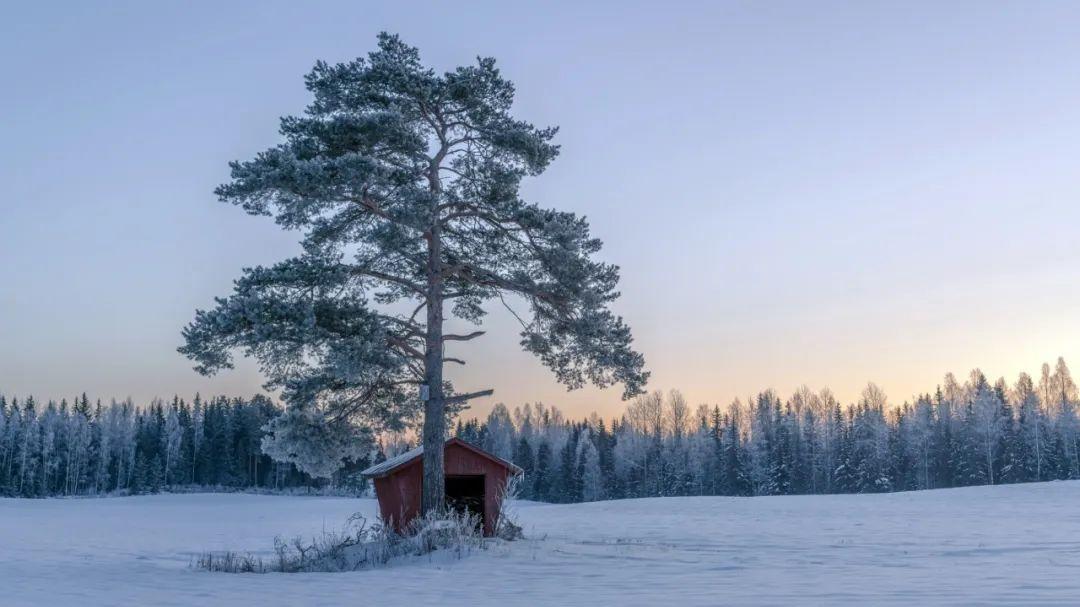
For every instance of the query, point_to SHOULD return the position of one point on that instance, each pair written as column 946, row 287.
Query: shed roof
column 392, row 464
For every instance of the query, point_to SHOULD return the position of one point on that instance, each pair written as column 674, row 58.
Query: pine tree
column 566, row 487
column 523, row 458
column 140, row 476
column 845, row 477
column 605, row 454
column 405, row 184
column 542, row 482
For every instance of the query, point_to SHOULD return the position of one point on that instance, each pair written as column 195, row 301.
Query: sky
column 819, row 194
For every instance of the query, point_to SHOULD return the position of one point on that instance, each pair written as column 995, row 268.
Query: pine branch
column 416, row 288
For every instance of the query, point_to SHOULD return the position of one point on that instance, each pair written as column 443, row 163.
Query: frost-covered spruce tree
column 405, row 186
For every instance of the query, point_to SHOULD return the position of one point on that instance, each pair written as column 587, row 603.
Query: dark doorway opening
column 466, row 493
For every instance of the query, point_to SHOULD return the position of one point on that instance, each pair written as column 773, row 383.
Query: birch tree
column 171, row 440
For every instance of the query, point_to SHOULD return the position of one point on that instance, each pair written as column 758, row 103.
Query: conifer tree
column 542, row 480
column 523, row 457
column 405, row 186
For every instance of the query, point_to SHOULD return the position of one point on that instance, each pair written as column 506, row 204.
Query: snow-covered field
column 1017, row 544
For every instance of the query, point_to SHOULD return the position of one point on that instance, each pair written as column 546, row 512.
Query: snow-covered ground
column 1017, row 544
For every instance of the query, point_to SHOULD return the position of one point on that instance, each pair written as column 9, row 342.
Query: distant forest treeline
column 969, row 433
column 973, row 433
column 80, row 448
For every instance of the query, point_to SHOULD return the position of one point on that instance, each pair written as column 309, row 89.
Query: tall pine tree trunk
column 433, row 490
column 434, row 487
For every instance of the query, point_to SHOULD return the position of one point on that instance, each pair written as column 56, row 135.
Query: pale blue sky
column 797, row 192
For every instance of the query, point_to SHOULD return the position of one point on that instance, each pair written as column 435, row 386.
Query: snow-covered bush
column 457, row 533
column 360, row 546
column 506, row 525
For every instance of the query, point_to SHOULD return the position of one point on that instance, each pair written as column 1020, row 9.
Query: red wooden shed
column 475, row 480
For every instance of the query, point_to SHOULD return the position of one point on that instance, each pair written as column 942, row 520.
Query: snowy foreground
column 1017, row 544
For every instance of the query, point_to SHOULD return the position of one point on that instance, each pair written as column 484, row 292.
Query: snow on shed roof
column 398, row 460
column 384, row 468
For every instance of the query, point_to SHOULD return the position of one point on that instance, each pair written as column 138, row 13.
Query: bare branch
column 413, row 329
column 405, row 347
column 423, row 304
column 460, row 398
column 473, row 335
column 511, row 310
